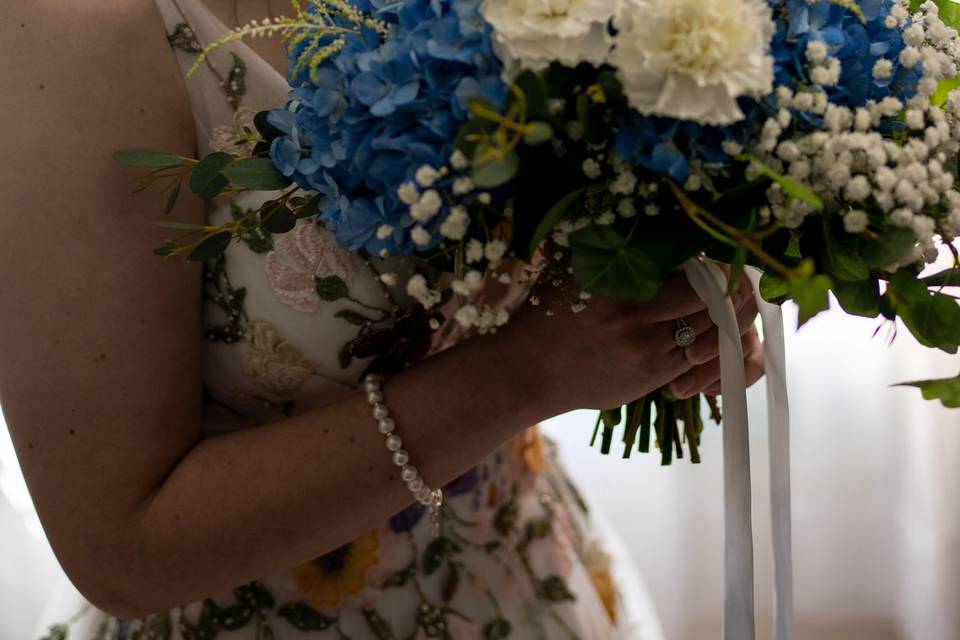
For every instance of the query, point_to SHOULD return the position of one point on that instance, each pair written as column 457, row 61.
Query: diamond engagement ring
column 684, row 336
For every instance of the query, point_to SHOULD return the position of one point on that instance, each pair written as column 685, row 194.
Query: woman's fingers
column 702, row 322
column 707, row 345
column 705, row 378
column 676, row 299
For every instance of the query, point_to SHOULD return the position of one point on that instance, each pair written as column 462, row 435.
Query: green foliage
column 211, row 246
column 605, row 263
column 144, row 157
column 255, row 173
column 933, row 318
column 946, row 390
column 207, row 179
column 790, row 186
column 859, row 298
column 889, row 248
column 492, row 168
column 811, row 293
column 554, row 589
column 554, row 215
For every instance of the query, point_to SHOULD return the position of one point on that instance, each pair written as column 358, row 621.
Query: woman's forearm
column 250, row 503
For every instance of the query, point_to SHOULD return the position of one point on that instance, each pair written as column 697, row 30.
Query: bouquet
column 614, row 140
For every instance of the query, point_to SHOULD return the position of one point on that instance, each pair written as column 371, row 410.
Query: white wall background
column 876, row 502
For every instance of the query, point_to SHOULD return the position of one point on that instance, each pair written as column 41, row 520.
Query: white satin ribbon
column 710, row 283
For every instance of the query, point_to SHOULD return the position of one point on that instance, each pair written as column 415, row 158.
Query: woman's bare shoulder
column 100, row 339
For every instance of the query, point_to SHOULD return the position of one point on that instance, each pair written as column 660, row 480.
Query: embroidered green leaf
column 946, row 390
column 236, row 85
column 554, row 589
column 256, row 173
column 207, row 179
column 380, row 628
column 401, row 577
column 206, row 626
column 156, row 627
column 255, row 595
column 451, row 583
column 304, row 617
column 497, row 630
column 184, row 38
column 210, row 247
column 57, row 632
column 345, row 355
column 331, row 288
column 147, row 158
column 257, row 238
column 235, row 616
column 434, row 555
column 506, row 517
column 353, row 317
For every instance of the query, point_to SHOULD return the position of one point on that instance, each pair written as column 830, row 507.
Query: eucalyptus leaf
column 210, row 247
column 494, row 168
column 147, row 158
column 278, row 219
column 534, row 91
column 172, row 198
column 536, row 133
column 184, row 226
column 946, row 390
column 256, row 173
column 604, row 263
column 207, row 179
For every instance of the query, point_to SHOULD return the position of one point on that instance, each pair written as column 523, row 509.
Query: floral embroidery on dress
column 327, row 579
column 237, row 139
column 300, row 257
column 272, row 361
column 597, row 563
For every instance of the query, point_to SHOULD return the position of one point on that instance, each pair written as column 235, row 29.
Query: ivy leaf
column 812, row 295
column 946, row 278
column 331, row 288
column 892, row 245
column 606, row 264
column 859, row 298
column 933, row 318
column 790, row 186
column 256, row 173
column 207, row 179
column 305, row 618
column 142, row 157
column 553, row 218
column 493, row 168
column 946, row 390
column 554, row 589
column 842, row 260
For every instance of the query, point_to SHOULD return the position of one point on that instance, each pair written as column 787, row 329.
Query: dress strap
column 232, row 77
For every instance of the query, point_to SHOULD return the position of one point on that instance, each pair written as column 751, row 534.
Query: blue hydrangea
column 669, row 146
column 370, row 116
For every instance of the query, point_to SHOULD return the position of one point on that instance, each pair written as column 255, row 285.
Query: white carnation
column 530, row 34
column 692, row 59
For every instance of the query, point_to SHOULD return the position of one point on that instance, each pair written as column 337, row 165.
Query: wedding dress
column 520, row 555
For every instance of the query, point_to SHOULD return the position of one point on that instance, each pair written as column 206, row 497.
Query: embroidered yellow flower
column 534, row 450
column 325, row 580
column 597, row 563
column 273, row 362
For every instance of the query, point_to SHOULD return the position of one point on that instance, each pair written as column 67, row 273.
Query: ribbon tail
column 779, row 437
column 710, row 283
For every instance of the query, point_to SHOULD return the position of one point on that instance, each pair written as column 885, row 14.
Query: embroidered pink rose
column 299, row 257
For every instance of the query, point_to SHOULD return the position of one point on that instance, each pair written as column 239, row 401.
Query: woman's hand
column 704, row 377
column 615, row 351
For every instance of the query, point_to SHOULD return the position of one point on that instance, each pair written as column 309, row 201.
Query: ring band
column 685, row 335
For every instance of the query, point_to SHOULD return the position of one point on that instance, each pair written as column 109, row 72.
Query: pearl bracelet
column 432, row 499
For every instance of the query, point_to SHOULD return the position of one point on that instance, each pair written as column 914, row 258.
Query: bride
column 196, row 444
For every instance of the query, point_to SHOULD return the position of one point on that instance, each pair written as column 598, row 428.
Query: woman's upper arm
column 100, row 339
